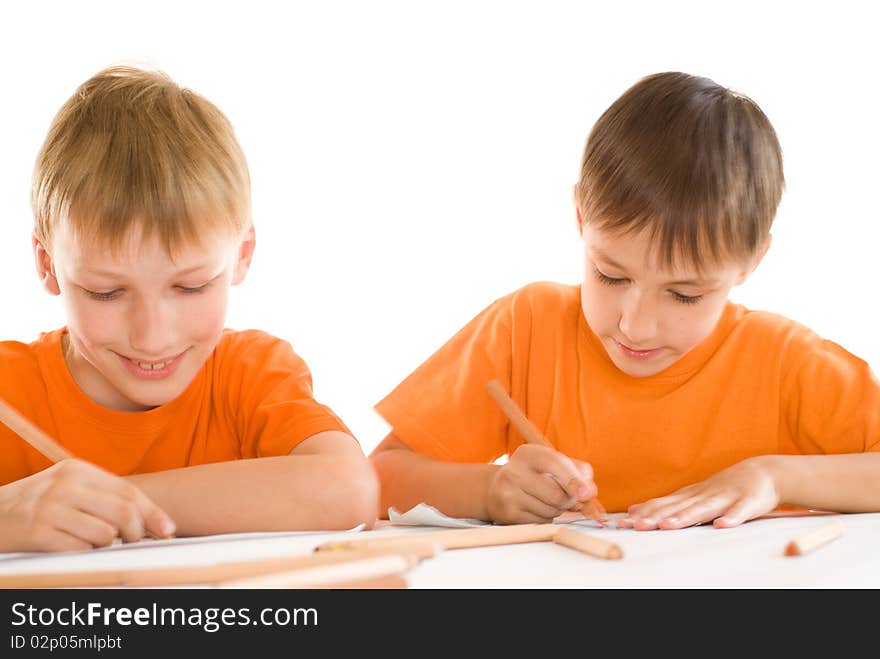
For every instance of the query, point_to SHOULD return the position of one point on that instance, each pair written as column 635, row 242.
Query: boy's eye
column 100, row 295
column 605, row 279
column 617, row 281
column 192, row 289
column 686, row 299
column 110, row 295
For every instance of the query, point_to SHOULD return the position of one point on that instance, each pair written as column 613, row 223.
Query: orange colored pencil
column 358, row 569
column 480, row 536
column 22, row 427
column 593, row 508
column 587, row 544
column 816, row 537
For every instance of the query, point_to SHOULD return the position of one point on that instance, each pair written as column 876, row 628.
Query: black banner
column 135, row 622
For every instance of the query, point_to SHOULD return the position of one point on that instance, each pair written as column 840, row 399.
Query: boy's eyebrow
column 701, row 283
column 185, row 271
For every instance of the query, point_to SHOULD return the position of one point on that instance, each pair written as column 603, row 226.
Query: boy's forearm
column 296, row 492
column 848, row 483
column 455, row 489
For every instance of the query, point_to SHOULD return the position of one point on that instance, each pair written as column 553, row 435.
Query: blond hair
column 695, row 164
column 131, row 146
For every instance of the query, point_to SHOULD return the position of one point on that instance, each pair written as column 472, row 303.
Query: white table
column 749, row 556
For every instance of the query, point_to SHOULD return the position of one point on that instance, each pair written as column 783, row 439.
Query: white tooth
column 151, row 367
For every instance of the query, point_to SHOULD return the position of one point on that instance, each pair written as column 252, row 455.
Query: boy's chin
column 148, row 397
column 645, row 370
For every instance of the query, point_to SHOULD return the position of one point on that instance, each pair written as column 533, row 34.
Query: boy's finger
column 82, row 526
column 120, row 511
column 56, row 540
column 526, row 517
column 151, row 518
column 540, row 510
column 580, row 489
column 563, row 469
column 740, row 512
column 594, row 509
column 585, row 469
column 156, row 521
column 127, row 508
column 544, row 490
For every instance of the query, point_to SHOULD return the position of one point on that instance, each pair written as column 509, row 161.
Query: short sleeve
column 270, row 395
column 443, row 409
column 831, row 399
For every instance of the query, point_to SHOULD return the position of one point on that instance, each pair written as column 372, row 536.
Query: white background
column 413, row 161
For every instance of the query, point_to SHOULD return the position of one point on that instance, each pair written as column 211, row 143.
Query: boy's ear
column 45, row 267
column 577, row 210
column 244, row 256
column 756, row 260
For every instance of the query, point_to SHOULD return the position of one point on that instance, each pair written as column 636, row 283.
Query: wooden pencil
column 592, row 509
column 324, row 576
column 787, row 511
column 79, row 579
column 203, row 574
column 588, row 544
column 814, row 538
column 484, row 536
column 30, row 433
column 213, row 574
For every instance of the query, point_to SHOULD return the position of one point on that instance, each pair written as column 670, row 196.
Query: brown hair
column 697, row 165
column 131, row 146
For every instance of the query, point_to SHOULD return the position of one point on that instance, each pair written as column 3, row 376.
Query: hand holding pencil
column 521, row 491
column 72, row 505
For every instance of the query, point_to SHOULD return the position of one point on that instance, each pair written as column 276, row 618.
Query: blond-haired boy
column 674, row 404
column 141, row 197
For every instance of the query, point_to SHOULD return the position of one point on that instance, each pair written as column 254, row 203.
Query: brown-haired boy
column 671, row 402
column 141, row 196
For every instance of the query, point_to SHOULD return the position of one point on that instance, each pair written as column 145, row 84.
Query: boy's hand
column 74, row 505
column 735, row 495
column 538, row 484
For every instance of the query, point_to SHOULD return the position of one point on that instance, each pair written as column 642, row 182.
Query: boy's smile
column 153, row 370
column 141, row 323
column 638, row 354
column 646, row 316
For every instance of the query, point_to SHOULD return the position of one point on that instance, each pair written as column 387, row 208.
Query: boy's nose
column 638, row 324
column 149, row 331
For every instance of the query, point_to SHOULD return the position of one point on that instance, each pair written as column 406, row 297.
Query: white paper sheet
column 149, row 543
column 424, row 515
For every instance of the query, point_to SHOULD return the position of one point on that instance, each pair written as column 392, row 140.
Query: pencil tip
column 791, row 549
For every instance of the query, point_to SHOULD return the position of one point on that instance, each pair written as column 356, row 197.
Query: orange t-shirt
column 252, row 398
column 759, row 384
